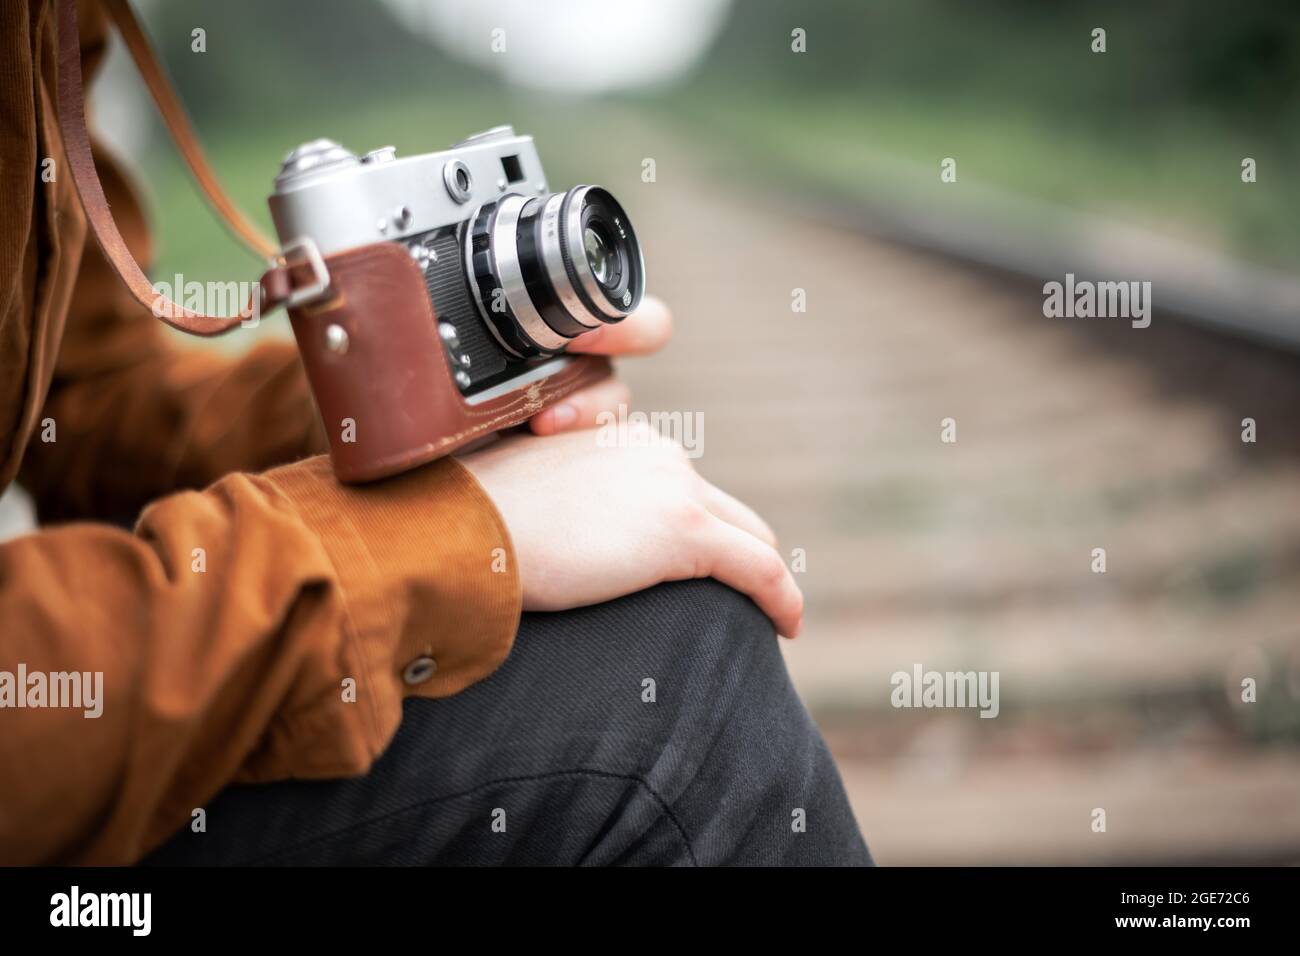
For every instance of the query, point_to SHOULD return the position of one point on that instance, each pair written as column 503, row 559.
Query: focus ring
column 494, row 263
column 578, row 195
column 558, row 270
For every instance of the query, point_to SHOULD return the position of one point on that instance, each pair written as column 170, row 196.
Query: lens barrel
column 550, row 268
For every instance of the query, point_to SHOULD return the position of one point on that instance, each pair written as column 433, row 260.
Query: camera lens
column 550, row 268
column 598, row 255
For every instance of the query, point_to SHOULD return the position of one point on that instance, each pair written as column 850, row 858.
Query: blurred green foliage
column 1238, row 62
column 267, row 62
column 1152, row 131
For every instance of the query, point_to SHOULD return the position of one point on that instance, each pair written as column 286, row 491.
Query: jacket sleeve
column 263, row 628
column 133, row 410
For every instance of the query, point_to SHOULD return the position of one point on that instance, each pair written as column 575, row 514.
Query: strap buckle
column 319, row 287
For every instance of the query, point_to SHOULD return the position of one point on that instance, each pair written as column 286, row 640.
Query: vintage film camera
column 510, row 273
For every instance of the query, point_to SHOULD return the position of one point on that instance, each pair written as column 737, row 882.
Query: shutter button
column 419, row 670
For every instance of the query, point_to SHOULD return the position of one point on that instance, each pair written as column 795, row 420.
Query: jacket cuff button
column 419, row 670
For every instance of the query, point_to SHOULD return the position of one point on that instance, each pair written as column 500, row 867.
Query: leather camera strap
column 277, row 282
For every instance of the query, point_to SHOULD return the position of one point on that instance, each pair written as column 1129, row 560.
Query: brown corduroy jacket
column 255, row 630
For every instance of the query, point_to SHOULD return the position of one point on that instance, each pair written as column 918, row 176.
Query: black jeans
column 658, row 729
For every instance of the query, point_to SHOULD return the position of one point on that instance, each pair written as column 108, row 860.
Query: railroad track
column 1119, row 689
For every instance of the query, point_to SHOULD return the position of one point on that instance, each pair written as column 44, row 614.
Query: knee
column 699, row 637
column 680, row 634
column 730, row 746
column 706, row 654
column 697, row 650
column 717, row 606
column 701, row 620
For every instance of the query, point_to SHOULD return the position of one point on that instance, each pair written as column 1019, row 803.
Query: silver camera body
column 513, row 271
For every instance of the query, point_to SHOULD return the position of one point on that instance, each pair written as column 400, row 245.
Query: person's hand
column 644, row 331
column 592, row 523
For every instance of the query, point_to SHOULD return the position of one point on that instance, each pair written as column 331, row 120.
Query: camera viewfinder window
column 514, row 169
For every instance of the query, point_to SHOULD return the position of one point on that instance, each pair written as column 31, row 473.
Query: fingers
column 738, row 559
column 734, row 511
column 580, row 409
column 645, row 331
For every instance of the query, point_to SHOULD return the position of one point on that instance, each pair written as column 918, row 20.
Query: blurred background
column 777, row 171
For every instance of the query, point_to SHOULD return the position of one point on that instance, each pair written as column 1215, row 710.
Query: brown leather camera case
column 388, row 401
